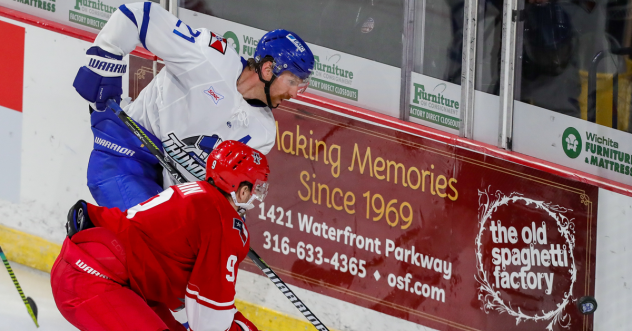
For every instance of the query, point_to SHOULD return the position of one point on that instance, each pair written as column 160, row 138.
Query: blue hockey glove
column 102, row 78
column 78, row 219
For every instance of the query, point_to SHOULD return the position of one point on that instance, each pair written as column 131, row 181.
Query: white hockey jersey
column 193, row 103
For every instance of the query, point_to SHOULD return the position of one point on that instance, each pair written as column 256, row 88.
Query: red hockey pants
column 90, row 286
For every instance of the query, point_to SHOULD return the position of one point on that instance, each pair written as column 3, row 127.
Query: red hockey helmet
column 233, row 162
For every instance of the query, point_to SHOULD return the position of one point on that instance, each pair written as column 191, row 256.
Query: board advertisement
column 338, row 76
column 435, row 103
column 431, row 233
column 11, row 107
column 89, row 15
column 573, row 142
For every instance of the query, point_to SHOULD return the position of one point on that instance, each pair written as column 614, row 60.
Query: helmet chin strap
column 267, row 87
column 243, row 207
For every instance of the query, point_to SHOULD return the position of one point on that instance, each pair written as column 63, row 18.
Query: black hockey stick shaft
column 28, row 302
column 138, row 132
column 178, row 177
column 286, row 291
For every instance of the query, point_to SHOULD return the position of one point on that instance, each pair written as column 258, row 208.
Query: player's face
column 285, row 87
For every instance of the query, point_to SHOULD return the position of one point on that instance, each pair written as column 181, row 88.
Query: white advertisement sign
column 338, row 76
column 573, row 142
column 89, row 15
column 435, row 103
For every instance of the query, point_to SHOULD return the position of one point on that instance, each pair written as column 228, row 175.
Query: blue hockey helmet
column 288, row 51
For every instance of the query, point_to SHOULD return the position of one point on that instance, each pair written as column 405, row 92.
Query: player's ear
column 266, row 70
column 243, row 193
column 244, row 190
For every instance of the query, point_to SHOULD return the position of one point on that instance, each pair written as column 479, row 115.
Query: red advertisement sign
column 437, row 235
column 141, row 72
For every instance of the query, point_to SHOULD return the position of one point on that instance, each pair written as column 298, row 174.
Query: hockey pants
column 121, row 173
column 91, row 287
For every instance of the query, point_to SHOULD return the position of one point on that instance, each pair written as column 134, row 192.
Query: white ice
column 35, row 284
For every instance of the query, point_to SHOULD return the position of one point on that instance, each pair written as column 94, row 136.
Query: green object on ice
column 28, row 302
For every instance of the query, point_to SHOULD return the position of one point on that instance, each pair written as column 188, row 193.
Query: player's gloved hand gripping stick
column 101, row 79
column 178, row 177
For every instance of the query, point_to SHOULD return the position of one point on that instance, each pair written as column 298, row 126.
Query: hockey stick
column 286, row 291
column 28, row 302
column 178, row 177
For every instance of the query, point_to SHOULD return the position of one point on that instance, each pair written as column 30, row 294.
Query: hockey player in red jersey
column 180, row 249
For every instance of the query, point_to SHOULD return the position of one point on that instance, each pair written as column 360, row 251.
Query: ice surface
column 36, row 284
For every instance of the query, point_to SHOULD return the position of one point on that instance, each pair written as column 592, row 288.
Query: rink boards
column 432, row 233
column 344, row 194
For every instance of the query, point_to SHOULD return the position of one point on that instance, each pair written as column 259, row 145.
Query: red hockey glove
column 240, row 323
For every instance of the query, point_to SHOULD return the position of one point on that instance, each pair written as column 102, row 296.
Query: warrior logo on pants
column 89, row 269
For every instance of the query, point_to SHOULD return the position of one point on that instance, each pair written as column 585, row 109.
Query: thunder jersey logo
column 191, row 153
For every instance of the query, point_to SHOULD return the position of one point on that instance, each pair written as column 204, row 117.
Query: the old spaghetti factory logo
column 525, row 261
column 525, row 258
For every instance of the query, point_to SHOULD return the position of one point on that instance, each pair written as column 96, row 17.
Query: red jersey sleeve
column 106, row 217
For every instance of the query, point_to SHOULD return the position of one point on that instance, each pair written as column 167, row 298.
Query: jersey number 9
column 230, row 265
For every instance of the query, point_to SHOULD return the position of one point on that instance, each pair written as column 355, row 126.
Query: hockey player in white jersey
column 206, row 94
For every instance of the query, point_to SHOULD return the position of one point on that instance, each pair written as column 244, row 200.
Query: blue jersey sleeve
column 148, row 24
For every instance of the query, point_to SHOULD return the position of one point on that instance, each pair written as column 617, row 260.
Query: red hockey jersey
column 183, row 246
